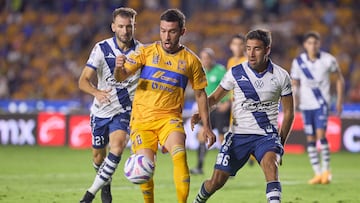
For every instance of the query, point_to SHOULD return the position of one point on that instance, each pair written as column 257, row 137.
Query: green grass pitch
column 61, row 175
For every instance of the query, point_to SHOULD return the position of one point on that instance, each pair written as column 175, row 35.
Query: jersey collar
column 270, row 69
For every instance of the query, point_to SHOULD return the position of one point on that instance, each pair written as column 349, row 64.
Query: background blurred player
column 166, row 68
column 237, row 47
column 110, row 112
column 311, row 77
column 220, row 117
column 258, row 87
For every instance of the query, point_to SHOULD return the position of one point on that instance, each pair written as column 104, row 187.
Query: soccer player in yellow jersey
column 166, row 68
column 237, row 47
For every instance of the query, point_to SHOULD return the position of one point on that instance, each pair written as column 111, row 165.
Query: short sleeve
column 96, row 58
column 286, row 86
column 228, row 81
column 198, row 77
column 295, row 70
column 136, row 60
column 334, row 66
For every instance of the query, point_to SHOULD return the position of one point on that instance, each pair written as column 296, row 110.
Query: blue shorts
column 236, row 150
column 315, row 119
column 102, row 127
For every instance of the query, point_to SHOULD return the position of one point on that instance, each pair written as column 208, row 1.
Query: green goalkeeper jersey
column 214, row 77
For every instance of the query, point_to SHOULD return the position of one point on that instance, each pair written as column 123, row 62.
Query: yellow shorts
column 148, row 135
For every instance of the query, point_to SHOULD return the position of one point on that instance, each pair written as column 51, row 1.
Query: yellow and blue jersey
column 233, row 61
column 163, row 79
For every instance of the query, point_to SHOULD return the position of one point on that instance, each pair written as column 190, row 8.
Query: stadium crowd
column 44, row 44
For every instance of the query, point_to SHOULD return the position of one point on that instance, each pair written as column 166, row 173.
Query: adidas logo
column 243, row 78
column 110, row 55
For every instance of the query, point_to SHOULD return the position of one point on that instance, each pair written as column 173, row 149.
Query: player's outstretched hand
column 120, row 61
column 103, row 96
column 209, row 136
column 195, row 119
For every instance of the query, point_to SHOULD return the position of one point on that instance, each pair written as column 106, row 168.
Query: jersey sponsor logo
column 51, row 129
column 79, row 132
column 156, row 85
column 254, row 106
column 111, row 82
column 160, row 74
column 259, row 84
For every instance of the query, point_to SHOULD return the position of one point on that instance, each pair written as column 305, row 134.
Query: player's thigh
column 309, row 122
column 171, row 132
column 99, row 132
column 142, row 136
column 119, row 130
column 321, row 119
column 233, row 154
column 268, row 151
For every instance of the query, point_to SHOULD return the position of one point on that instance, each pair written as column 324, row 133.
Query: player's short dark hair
column 238, row 36
column 259, row 34
column 311, row 34
column 174, row 15
column 124, row 12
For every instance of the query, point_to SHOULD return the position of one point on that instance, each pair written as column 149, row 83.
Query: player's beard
column 124, row 38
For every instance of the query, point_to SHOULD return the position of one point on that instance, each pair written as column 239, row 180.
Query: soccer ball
column 138, row 169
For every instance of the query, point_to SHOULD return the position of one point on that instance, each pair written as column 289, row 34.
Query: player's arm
column 295, row 89
column 339, row 90
column 203, row 106
column 287, row 103
column 216, row 96
column 86, row 85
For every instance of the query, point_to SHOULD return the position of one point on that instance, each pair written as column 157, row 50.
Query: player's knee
column 178, row 152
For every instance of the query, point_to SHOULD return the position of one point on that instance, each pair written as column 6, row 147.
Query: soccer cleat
column 326, row 177
column 315, row 180
column 106, row 194
column 88, row 198
column 196, row 171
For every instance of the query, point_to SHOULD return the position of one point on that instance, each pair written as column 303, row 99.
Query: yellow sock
column 181, row 173
column 148, row 191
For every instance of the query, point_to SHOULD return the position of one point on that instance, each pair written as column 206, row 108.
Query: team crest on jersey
column 259, row 84
column 156, row 59
column 181, row 65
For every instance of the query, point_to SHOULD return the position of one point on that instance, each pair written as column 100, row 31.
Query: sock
column 314, row 157
column 181, row 173
column 96, row 167
column 325, row 154
column 273, row 192
column 105, row 172
column 203, row 195
column 147, row 190
column 201, row 155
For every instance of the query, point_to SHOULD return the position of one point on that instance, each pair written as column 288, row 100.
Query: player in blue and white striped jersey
column 259, row 85
column 110, row 112
column 310, row 72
